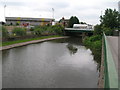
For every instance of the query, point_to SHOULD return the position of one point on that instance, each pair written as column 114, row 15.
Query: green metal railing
column 110, row 72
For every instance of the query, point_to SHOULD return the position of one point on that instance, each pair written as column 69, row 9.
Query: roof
column 28, row 19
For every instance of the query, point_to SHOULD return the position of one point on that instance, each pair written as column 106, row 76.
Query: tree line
column 109, row 22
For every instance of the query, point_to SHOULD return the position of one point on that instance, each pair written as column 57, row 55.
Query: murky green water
column 62, row 63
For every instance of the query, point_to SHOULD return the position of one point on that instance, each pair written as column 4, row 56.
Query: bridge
column 78, row 31
column 109, row 63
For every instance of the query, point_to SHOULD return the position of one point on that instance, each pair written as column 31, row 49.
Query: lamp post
column 53, row 12
column 4, row 12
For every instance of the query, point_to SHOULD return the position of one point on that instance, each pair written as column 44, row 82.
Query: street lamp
column 53, row 12
column 4, row 12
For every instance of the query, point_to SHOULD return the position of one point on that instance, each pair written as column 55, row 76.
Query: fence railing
column 110, row 72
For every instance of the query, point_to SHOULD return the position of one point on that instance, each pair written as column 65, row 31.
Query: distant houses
column 64, row 22
column 25, row 21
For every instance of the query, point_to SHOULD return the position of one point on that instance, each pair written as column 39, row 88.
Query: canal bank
column 30, row 42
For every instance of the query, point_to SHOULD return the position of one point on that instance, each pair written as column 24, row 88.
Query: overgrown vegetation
column 19, row 32
column 95, row 44
column 25, row 40
column 49, row 30
column 5, row 33
column 110, row 22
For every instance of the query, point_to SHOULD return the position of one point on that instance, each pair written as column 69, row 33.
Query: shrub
column 56, row 29
column 90, row 41
column 19, row 31
column 97, row 30
column 95, row 44
column 108, row 31
column 95, row 38
column 38, row 30
column 5, row 33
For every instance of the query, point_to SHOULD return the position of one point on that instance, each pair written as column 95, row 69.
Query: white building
column 83, row 26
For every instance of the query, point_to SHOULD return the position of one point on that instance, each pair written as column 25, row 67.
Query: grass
column 26, row 40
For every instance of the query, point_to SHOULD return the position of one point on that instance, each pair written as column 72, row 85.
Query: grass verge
column 26, row 40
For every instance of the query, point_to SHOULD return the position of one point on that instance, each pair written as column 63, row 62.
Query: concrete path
column 29, row 42
column 113, row 42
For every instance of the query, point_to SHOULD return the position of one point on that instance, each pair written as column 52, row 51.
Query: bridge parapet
column 110, row 72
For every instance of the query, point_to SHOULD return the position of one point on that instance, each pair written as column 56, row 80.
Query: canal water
column 62, row 63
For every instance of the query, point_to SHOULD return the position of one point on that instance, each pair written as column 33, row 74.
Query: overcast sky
column 86, row 10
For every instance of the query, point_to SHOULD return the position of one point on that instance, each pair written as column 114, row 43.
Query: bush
column 95, row 38
column 48, row 30
column 19, row 32
column 56, row 29
column 97, row 30
column 95, row 44
column 38, row 30
column 108, row 31
column 90, row 41
column 5, row 33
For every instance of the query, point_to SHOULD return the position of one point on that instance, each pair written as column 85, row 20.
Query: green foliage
column 57, row 29
column 5, row 33
column 49, row 30
column 97, row 30
column 38, row 30
column 90, row 40
column 72, row 21
column 26, row 40
column 95, row 44
column 110, row 22
column 108, row 31
column 19, row 31
column 111, row 19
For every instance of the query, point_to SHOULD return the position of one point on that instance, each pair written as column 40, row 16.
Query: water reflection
column 50, row 65
column 72, row 49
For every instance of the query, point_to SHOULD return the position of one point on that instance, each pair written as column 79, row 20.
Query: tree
column 97, row 29
column 111, row 19
column 72, row 21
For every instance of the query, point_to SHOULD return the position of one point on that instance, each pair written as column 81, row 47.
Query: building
column 64, row 22
column 28, row 21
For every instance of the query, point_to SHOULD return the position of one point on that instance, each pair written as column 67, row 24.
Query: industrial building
column 28, row 21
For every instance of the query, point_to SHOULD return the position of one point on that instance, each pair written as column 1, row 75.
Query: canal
column 62, row 63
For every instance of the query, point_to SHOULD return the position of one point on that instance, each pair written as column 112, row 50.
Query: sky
column 87, row 11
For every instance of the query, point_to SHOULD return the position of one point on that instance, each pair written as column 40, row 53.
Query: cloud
column 58, row 4
column 15, row 3
column 86, row 10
